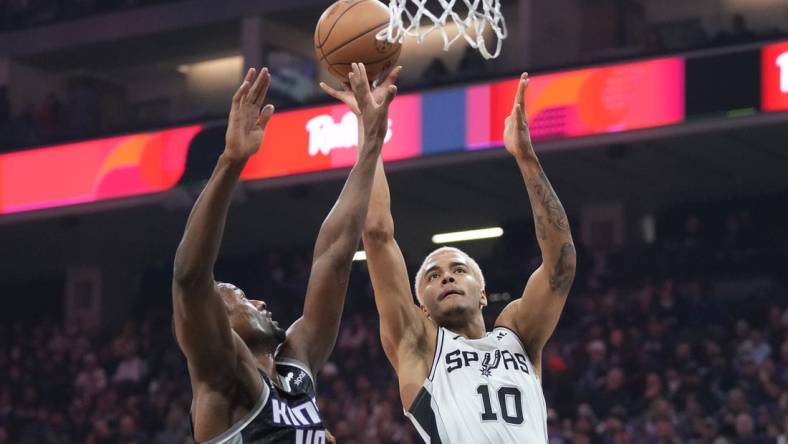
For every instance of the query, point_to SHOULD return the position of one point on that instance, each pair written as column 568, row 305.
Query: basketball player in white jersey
column 253, row 382
column 459, row 383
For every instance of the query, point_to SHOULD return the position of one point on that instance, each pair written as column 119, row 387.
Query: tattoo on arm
column 541, row 230
column 563, row 275
column 549, row 201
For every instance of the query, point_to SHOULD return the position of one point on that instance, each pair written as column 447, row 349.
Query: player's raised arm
column 201, row 324
column 400, row 319
column 311, row 338
column 386, row 264
column 536, row 314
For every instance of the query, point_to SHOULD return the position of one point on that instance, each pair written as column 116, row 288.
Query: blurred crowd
column 663, row 357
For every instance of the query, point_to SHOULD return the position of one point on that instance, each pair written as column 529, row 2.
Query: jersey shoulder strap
column 439, row 340
column 295, row 377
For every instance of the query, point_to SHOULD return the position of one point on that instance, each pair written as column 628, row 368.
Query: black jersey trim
column 300, row 365
column 246, row 420
column 423, row 417
column 438, row 350
column 519, row 339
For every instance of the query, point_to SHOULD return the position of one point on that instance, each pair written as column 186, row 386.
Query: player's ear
column 424, row 309
column 483, row 299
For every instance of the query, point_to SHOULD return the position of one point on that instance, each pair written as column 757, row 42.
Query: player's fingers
column 363, row 81
column 391, row 93
column 265, row 115
column 244, row 88
column 363, row 71
column 353, row 77
column 329, row 90
column 519, row 114
column 520, row 98
column 356, row 84
column 260, row 88
column 393, row 75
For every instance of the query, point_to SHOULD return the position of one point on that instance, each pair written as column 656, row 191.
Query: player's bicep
column 393, row 297
column 312, row 337
column 203, row 330
column 535, row 315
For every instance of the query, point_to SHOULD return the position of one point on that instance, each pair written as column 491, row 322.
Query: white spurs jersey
column 481, row 391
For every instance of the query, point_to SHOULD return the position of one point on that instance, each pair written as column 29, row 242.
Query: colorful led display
column 566, row 104
column 774, row 73
column 94, row 170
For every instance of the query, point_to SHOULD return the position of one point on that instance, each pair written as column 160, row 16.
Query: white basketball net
column 408, row 16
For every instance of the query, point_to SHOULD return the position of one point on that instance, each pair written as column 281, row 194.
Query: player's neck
column 265, row 361
column 473, row 329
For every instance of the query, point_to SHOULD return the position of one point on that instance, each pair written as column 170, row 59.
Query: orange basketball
column 346, row 33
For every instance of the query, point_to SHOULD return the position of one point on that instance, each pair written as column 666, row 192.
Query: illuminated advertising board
column 318, row 139
column 586, row 102
column 774, row 72
column 93, row 171
column 565, row 104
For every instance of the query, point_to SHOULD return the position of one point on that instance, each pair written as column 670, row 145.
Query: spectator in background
column 132, row 369
column 613, row 394
column 92, row 379
column 129, row 432
column 745, row 433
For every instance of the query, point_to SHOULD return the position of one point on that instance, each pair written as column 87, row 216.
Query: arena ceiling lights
column 463, row 236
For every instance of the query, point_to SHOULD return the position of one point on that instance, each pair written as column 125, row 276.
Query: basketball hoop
column 407, row 17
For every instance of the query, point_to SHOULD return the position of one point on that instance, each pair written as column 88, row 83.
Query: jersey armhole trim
column 438, row 350
column 301, row 365
column 520, row 340
column 243, row 422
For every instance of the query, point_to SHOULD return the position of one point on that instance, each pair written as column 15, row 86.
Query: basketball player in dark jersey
column 252, row 381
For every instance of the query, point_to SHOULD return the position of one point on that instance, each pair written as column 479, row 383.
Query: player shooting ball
column 458, row 382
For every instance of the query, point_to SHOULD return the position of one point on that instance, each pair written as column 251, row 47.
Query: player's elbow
column 378, row 231
column 186, row 275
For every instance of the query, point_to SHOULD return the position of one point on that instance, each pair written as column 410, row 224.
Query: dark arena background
column 662, row 124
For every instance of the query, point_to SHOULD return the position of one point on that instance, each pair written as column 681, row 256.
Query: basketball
column 346, row 34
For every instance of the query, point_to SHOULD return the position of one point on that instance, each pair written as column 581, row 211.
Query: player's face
column 451, row 292
column 251, row 319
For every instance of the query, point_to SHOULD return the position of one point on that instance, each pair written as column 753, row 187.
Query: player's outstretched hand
column 379, row 89
column 248, row 116
column 374, row 110
column 516, row 136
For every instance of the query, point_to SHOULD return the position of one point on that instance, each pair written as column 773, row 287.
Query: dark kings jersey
column 286, row 412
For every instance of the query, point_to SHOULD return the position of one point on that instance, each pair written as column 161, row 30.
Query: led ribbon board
column 567, row 104
column 93, row 171
column 774, row 72
column 561, row 105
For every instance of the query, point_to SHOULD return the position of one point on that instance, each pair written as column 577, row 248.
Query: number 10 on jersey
column 506, row 395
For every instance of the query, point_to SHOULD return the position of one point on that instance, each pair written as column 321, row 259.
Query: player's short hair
column 474, row 266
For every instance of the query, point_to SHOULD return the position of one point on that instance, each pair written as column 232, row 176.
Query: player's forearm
column 379, row 224
column 552, row 225
column 202, row 237
column 342, row 228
